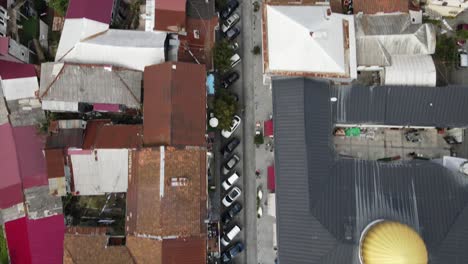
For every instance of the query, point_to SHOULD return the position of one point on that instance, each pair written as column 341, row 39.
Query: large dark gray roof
column 400, row 105
column 324, row 202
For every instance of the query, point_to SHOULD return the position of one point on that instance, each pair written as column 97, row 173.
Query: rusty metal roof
column 175, row 112
column 65, row 138
column 55, row 163
column 103, row 134
column 170, row 15
column 381, row 6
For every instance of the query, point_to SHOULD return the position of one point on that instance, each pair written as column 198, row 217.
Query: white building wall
column 60, row 106
column 20, row 88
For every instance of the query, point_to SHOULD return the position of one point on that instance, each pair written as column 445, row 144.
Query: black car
column 231, row 213
column 229, row 9
column 232, row 33
column 230, row 147
column 232, row 252
column 230, row 79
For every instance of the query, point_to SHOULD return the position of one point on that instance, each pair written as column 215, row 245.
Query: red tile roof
column 100, row 10
column 29, row 146
column 36, row 241
column 184, row 250
column 182, row 209
column 170, row 15
column 101, row 134
column 14, row 70
column 385, row 6
column 11, row 191
column 176, row 112
column 4, row 42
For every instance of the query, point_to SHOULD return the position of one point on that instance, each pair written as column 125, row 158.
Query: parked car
column 234, row 46
column 231, row 213
column 230, row 79
column 232, row 33
column 229, row 9
column 230, row 147
column 232, row 196
column 463, row 63
column 235, row 59
column 230, row 181
column 232, row 252
column 229, row 236
column 230, row 22
column 230, row 164
column 236, row 120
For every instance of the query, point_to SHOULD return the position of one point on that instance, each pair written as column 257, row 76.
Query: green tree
column 59, row 5
column 446, row 50
column 256, row 50
column 462, row 34
column 224, row 108
column 222, row 54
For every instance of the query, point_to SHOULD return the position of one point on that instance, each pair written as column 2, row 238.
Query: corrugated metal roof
column 409, row 70
column 184, row 250
column 10, row 184
column 29, row 146
column 102, row 171
column 401, row 106
column 96, row 10
column 90, row 84
column 14, row 70
column 36, row 241
column 170, row 15
column 324, row 202
column 55, row 163
column 178, row 104
column 380, row 36
column 65, row 138
column 107, row 136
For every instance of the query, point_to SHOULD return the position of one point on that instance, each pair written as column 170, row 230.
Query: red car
column 461, row 42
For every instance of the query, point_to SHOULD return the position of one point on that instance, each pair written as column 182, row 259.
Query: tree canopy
column 60, row 6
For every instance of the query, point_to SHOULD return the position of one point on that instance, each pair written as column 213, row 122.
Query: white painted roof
column 124, row 48
column 411, row 70
column 103, row 171
column 76, row 29
column 306, row 39
column 20, row 88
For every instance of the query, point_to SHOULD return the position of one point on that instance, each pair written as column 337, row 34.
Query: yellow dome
column 388, row 242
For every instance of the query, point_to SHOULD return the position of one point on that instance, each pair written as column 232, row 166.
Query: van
column 235, row 59
column 463, row 60
column 229, row 236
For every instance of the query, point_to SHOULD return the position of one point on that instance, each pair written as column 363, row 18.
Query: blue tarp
column 210, row 87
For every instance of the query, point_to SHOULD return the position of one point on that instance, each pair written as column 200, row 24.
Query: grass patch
column 3, row 248
column 29, row 31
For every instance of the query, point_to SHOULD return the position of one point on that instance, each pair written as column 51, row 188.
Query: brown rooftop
column 103, row 134
column 145, row 250
column 184, row 250
column 175, row 108
column 85, row 249
column 55, row 163
column 182, row 208
column 384, row 6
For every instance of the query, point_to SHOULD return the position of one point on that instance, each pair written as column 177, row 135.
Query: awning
column 106, row 107
column 268, row 128
column 271, row 178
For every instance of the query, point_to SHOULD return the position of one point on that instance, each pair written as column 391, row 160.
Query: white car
column 235, row 59
column 232, row 196
column 231, row 21
column 229, row 182
column 229, row 236
column 234, row 125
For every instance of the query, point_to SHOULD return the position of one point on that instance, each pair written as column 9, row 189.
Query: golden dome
column 388, row 242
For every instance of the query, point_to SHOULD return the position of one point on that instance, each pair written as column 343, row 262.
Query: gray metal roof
column 324, row 202
column 378, row 37
column 90, row 84
column 401, row 106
